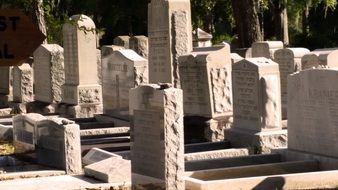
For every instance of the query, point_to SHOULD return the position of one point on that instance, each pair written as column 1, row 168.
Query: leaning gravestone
column 266, row 48
column 49, row 74
column 289, row 61
column 256, row 104
column 140, row 45
column 122, row 41
column 206, row 81
column 157, row 147
column 58, row 144
column 122, row 70
column 81, row 80
column 23, row 83
column 170, row 36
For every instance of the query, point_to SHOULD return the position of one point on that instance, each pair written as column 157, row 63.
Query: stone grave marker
column 122, row 70
column 23, row 83
column 49, row 74
column 6, row 85
column 58, row 144
column 324, row 57
column 289, row 61
column 109, row 49
column 170, row 36
column 266, row 48
column 157, row 147
column 122, row 41
column 24, row 131
column 256, row 94
column 81, row 79
column 140, row 45
column 312, row 112
column 235, row 58
column 201, row 38
column 95, row 155
column 99, row 67
column 206, row 81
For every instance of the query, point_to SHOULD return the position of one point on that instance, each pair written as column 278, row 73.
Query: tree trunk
column 305, row 16
column 247, row 22
column 284, row 23
column 39, row 18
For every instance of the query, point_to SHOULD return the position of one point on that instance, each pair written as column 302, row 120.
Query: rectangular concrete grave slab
column 256, row 95
column 58, row 145
column 122, row 70
column 206, row 81
column 110, row 170
column 23, row 83
column 170, row 36
column 289, row 61
column 96, row 155
column 24, row 131
column 212, row 154
column 312, row 104
column 157, row 148
column 49, row 73
column 266, row 48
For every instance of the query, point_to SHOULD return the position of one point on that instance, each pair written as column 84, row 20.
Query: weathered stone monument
column 170, row 36
column 324, row 57
column 23, row 83
column 256, row 104
column 206, row 81
column 157, row 146
column 140, row 45
column 81, row 79
column 289, row 61
column 58, row 144
column 109, row 49
column 201, row 38
column 6, row 82
column 122, row 41
column 122, row 70
column 266, row 48
column 235, row 58
column 49, row 74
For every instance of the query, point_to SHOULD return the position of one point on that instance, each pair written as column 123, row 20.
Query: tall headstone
column 266, row 48
column 122, row 70
column 206, row 81
column 312, row 112
column 140, row 45
column 49, row 74
column 170, row 36
column 201, row 38
column 256, row 94
column 58, row 144
column 81, row 79
column 289, row 61
column 23, row 83
column 157, row 148
column 122, row 41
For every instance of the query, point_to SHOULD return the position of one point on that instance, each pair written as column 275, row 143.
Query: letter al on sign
column 19, row 37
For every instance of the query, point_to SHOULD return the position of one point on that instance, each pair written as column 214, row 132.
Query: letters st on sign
column 19, row 37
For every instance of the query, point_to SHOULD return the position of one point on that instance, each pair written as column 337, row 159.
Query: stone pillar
column 122, row 70
column 157, row 147
column 170, row 36
column 23, row 83
column 140, row 45
column 289, row 61
column 49, row 74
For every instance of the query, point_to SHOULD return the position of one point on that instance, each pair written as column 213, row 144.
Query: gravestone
column 122, row 41
column 99, row 67
column 96, row 155
column 24, row 131
column 23, row 83
column 289, row 61
column 109, row 49
column 122, row 70
column 206, row 81
column 324, row 57
column 58, row 144
column 157, row 147
column 6, row 85
column 235, row 58
column 312, row 112
column 256, row 105
column 49, row 74
column 201, row 38
column 170, row 36
column 266, row 48
column 81, row 79
column 140, row 45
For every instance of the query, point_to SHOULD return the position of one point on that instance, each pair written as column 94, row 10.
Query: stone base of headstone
column 262, row 141
column 198, row 128
column 80, row 111
column 42, row 108
column 141, row 182
column 18, row 108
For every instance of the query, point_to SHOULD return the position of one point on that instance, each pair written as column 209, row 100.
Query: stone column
column 23, row 83
column 157, row 147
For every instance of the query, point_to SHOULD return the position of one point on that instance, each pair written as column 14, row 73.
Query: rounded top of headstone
column 83, row 21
